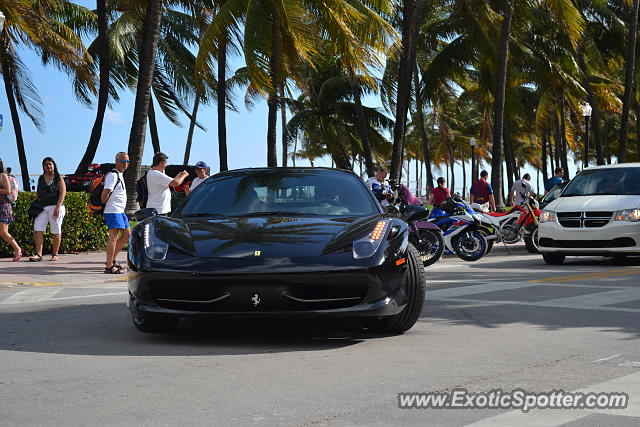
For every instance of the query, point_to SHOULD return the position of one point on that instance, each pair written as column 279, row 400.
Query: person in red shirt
column 440, row 193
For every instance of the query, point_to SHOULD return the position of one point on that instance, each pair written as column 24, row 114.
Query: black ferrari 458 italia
column 275, row 242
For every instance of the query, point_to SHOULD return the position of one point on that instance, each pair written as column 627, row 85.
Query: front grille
column 274, row 294
column 620, row 242
column 584, row 219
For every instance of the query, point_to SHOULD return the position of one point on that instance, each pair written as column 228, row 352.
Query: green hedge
column 81, row 231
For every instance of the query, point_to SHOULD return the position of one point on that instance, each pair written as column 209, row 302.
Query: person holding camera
column 160, row 184
column 381, row 187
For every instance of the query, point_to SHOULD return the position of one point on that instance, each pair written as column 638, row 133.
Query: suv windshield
column 286, row 192
column 608, row 181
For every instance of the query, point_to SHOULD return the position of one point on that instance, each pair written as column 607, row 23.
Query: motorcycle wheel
column 531, row 241
column 489, row 242
column 470, row 246
column 432, row 246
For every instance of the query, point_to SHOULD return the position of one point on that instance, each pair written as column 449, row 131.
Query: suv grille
column 584, row 219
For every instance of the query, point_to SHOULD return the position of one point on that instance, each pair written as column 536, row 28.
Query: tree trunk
column 272, row 102
column 509, row 156
column 595, row 115
column 498, row 118
column 15, row 118
column 103, row 90
column 362, row 127
column 422, row 131
column 192, row 125
column 283, row 117
column 411, row 13
column 544, row 156
column 147, row 61
column 221, row 92
column 638, row 132
column 464, row 176
column 153, row 127
column 628, row 82
column 563, row 139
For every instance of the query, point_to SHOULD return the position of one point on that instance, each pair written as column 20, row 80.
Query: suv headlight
column 627, row 215
column 548, row 216
column 367, row 246
column 154, row 248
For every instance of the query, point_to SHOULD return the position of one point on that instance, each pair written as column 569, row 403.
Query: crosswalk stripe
column 32, row 295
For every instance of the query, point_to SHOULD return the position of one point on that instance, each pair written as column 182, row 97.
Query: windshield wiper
column 265, row 213
column 200, row 214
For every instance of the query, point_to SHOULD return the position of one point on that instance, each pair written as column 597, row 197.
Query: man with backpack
column 159, row 185
column 114, row 198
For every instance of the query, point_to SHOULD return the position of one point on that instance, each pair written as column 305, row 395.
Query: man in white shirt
column 380, row 187
column 520, row 191
column 114, row 197
column 159, row 183
column 201, row 171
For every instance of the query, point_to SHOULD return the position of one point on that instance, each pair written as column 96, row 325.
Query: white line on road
column 32, row 295
column 629, row 384
column 607, row 358
column 21, row 298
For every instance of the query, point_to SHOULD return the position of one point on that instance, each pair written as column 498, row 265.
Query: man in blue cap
column 201, row 171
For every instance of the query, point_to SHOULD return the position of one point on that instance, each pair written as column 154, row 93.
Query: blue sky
column 68, row 126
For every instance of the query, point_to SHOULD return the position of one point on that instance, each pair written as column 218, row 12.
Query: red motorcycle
column 519, row 222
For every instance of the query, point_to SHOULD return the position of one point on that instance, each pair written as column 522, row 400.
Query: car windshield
column 554, row 193
column 607, row 181
column 285, row 192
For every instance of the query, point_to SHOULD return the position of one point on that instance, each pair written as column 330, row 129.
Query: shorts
column 46, row 217
column 6, row 214
column 119, row 221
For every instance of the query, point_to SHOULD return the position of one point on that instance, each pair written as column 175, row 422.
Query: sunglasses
column 123, row 161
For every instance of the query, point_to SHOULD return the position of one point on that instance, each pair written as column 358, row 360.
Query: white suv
column 598, row 213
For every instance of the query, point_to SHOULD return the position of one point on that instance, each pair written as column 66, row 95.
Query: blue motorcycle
column 459, row 224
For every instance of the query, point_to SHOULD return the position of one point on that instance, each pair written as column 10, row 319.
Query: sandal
column 35, row 258
column 54, row 258
column 113, row 270
column 16, row 257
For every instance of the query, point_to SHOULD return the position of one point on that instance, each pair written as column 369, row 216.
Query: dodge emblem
column 255, row 300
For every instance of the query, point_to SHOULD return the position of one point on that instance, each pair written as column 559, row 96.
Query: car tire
column 415, row 288
column 552, row 259
column 531, row 241
column 154, row 323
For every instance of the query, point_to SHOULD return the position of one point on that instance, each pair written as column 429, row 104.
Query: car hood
column 267, row 237
column 594, row 203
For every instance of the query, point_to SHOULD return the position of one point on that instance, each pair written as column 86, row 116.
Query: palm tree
column 628, row 81
column 104, row 62
column 38, row 25
column 150, row 34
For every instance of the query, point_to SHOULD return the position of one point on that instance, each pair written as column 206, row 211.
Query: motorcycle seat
column 500, row 213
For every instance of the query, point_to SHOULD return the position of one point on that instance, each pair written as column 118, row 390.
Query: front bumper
column 362, row 293
column 617, row 237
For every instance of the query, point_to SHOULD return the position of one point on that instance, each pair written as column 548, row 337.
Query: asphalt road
column 69, row 354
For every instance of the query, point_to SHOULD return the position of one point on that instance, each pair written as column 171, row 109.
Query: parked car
column 275, row 242
column 598, row 213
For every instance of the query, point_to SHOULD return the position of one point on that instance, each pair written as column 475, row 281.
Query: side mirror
column 143, row 214
column 556, row 193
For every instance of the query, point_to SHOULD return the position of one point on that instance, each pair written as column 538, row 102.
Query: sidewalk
column 84, row 267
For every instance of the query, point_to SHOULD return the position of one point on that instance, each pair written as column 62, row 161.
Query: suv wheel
column 552, row 259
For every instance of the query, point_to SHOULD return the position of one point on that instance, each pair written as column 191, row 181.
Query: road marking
column 629, row 384
column 89, row 296
column 481, row 303
column 585, row 276
column 31, row 295
column 476, row 289
column 607, row 358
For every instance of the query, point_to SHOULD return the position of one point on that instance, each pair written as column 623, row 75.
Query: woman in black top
column 50, row 193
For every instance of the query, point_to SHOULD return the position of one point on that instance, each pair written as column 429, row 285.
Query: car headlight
column 367, row 246
column 548, row 216
column 628, row 215
column 154, row 248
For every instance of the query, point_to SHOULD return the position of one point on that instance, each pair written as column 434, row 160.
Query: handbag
column 35, row 209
